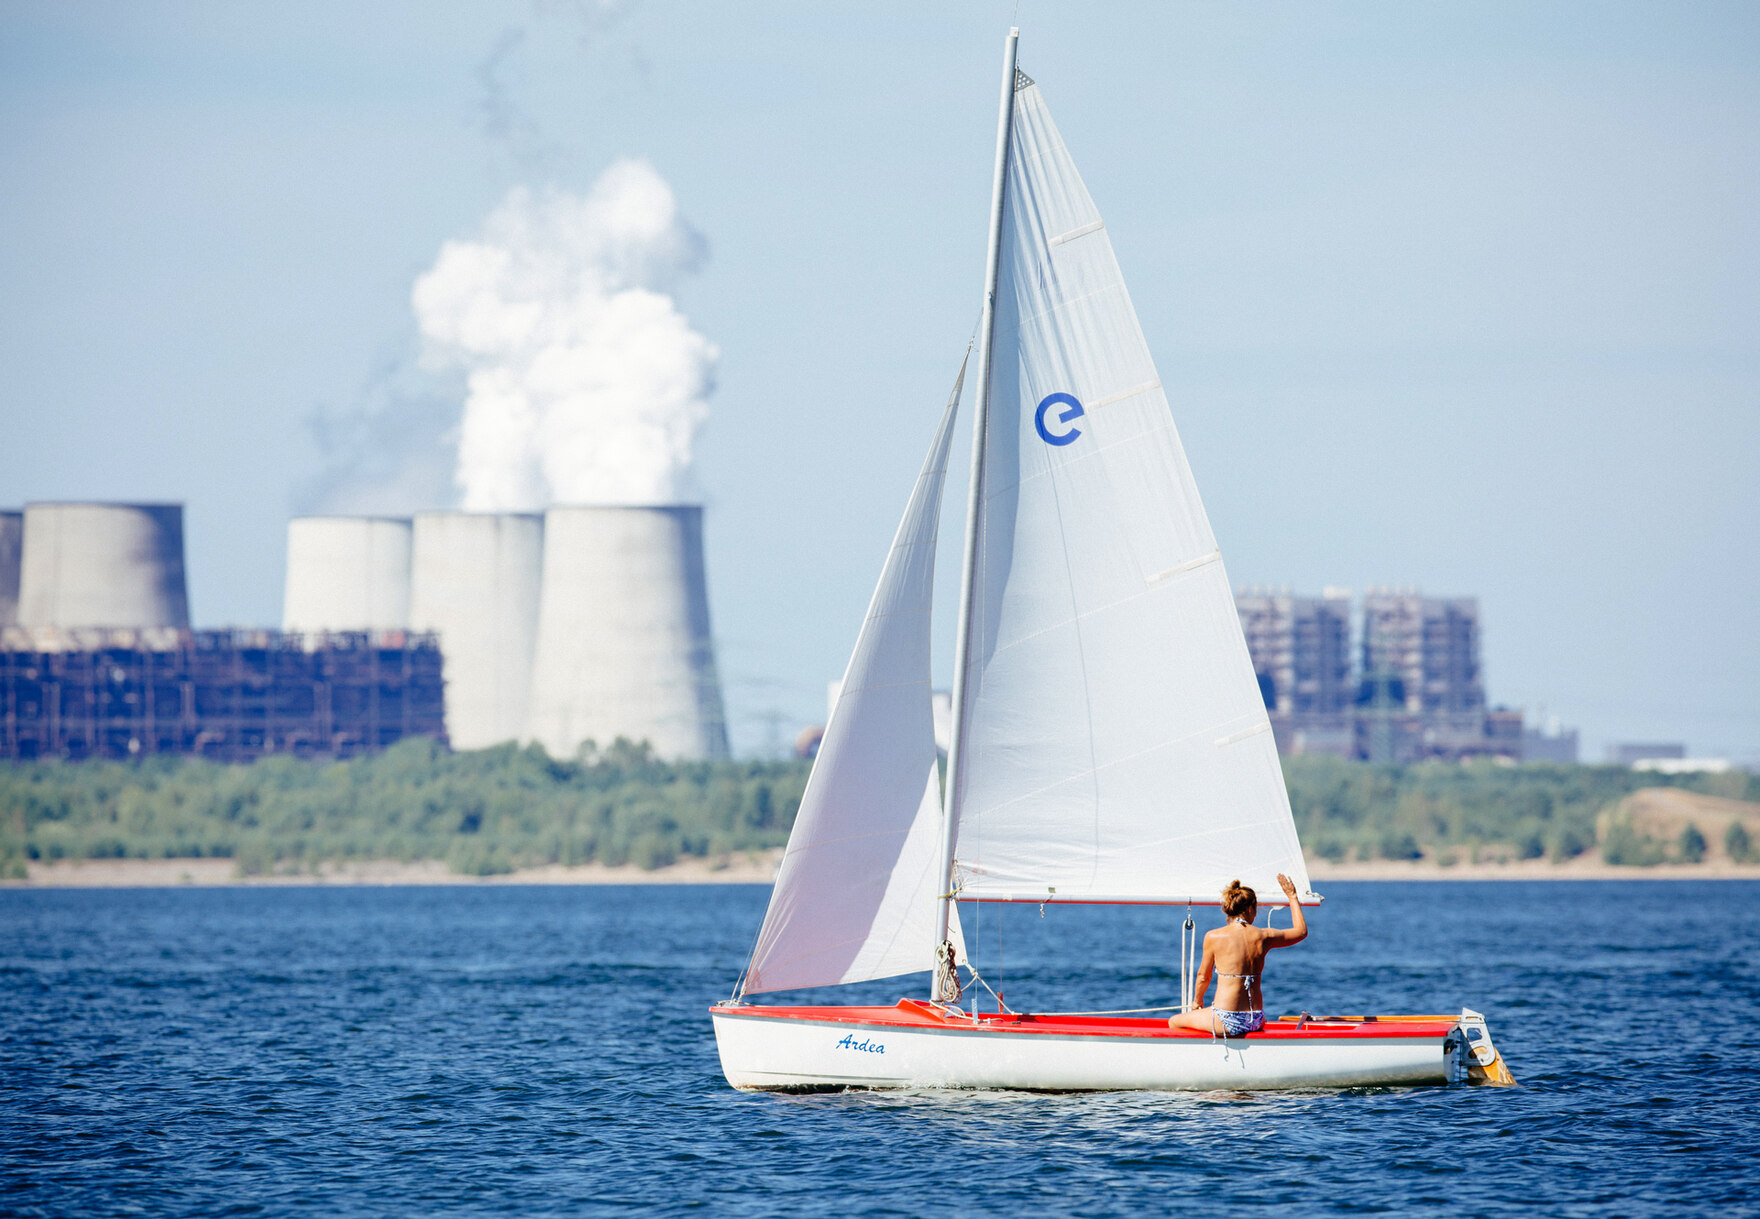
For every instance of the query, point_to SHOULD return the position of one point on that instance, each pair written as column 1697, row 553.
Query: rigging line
column 1082, row 662
column 739, row 983
column 979, row 979
column 978, row 939
column 1001, row 907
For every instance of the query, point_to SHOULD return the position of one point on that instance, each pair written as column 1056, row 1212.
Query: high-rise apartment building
column 1429, row 644
column 1301, row 651
column 1301, row 648
column 1419, row 692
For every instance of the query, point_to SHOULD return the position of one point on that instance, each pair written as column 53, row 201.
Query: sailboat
column 1109, row 742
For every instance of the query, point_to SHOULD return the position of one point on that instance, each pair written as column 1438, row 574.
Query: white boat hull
column 827, row 1048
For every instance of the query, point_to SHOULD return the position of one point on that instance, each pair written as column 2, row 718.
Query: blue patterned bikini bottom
column 1239, row 1024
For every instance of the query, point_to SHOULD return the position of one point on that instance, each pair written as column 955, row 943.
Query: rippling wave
column 547, row 1051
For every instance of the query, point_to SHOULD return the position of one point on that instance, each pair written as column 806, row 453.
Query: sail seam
column 1081, row 660
column 1145, row 591
column 1090, row 455
column 1263, row 859
column 1094, row 770
column 1144, row 388
column 817, row 843
column 885, row 685
column 894, row 614
column 1118, row 287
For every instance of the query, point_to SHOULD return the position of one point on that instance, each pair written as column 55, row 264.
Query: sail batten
column 1115, row 738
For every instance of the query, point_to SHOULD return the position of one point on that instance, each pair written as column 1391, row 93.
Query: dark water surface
column 546, row 1051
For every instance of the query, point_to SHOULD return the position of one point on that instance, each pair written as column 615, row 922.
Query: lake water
column 546, row 1051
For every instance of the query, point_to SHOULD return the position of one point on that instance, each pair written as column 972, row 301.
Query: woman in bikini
column 1235, row 952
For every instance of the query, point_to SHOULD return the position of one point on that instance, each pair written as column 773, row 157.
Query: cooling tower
column 475, row 579
column 623, row 634
column 347, row 573
column 104, row 565
column 11, row 544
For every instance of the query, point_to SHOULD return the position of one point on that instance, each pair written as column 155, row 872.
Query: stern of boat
column 1472, row 1056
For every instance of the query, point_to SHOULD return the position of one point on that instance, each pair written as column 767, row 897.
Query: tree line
column 1352, row 810
column 483, row 812
column 499, row 809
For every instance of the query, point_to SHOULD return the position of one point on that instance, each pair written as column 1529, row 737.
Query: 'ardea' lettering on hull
column 1071, row 411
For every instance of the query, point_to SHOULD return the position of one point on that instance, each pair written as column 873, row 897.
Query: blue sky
column 1462, row 296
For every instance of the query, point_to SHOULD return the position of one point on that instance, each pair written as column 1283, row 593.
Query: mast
column 944, row 987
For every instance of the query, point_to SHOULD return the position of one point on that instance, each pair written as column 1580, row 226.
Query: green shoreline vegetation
column 1353, row 810
column 484, row 812
column 495, row 810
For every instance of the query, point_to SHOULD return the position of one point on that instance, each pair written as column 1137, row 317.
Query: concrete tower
column 623, row 634
column 103, row 565
column 347, row 573
column 11, row 547
column 475, row 579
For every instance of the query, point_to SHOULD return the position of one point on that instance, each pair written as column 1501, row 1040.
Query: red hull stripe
column 911, row 1014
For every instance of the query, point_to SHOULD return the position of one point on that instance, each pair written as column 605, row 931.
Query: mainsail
column 855, row 895
column 1114, row 743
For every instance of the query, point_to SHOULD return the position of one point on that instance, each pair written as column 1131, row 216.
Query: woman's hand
column 1296, row 933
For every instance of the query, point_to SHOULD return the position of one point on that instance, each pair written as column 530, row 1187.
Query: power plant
column 475, row 583
column 347, row 573
column 11, row 544
column 99, row 659
column 585, row 624
column 102, row 565
column 623, row 645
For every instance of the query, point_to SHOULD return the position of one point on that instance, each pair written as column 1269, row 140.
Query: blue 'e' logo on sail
column 1073, row 410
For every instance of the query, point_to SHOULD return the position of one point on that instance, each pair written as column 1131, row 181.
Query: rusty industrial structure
column 231, row 695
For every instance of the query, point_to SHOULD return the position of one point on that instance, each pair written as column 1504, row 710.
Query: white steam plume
column 585, row 384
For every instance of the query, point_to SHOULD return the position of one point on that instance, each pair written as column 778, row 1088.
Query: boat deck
column 913, row 1013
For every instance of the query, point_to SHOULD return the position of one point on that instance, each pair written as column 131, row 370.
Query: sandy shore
column 759, row 868
column 1584, row 867
column 742, row 869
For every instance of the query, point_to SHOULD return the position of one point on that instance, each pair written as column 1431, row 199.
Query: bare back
column 1237, row 952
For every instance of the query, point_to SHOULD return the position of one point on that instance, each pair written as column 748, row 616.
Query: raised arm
column 1283, row 937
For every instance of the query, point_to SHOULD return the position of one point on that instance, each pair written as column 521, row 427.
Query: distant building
column 1301, row 652
column 1301, row 649
column 1419, row 692
column 11, row 550
column 1683, row 766
column 227, row 695
column 1431, row 644
column 1628, row 754
column 1549, row 744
